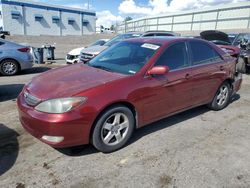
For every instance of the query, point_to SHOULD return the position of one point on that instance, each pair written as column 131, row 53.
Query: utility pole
column 88, row 4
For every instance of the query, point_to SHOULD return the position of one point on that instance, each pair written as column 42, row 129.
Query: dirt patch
column 165, row 181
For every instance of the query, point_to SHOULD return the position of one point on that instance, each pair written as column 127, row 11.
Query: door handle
column 188, row 76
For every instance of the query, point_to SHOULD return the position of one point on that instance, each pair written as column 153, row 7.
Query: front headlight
column 61, row 105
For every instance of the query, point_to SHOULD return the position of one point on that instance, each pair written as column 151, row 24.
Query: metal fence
column 226, row 17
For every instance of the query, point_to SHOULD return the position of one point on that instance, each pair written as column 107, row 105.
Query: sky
column 114, row 11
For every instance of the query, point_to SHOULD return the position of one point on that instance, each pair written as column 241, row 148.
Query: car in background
column 237, row 38
column 160, row 33
column 73, row 56
column 129, row 85
column 14, row 58
column 92, row 51
column 107, row 31
column 222, row 40
column 3, row 34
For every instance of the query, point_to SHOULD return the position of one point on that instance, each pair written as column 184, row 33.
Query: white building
column 22, row 17
column 235, row 16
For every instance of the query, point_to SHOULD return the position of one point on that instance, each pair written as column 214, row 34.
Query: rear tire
column 222, row 97
column 9, row 67
column 113, row 129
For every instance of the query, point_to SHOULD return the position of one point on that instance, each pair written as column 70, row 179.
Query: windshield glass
column 122, row 37
column 98, row 43
column 125, row 57
column 232, row 37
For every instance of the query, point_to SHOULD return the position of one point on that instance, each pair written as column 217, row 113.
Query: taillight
column 23, row 49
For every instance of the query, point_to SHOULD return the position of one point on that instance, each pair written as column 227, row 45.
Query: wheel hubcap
column 115, row 129
column 222, row 96
column 9, row 68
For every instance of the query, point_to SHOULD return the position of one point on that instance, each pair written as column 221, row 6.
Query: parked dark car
column 129, row 85
column 222, row 40
column 236, row 38
column 243, row 65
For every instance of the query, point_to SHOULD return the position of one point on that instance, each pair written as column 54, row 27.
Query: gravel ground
column 197, row 148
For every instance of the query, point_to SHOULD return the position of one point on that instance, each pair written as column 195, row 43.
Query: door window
column 175, row 57
column 202, row 53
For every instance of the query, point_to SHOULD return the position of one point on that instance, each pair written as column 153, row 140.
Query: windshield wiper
column 102, row 67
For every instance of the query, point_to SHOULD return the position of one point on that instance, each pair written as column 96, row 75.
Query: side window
column 164, row 34
column 149, row 35
column 203, row 53
column 175, row 57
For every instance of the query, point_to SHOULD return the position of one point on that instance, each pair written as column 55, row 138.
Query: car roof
column 160, row 40
column 161, row 32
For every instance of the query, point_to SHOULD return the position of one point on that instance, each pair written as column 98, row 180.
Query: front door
column 168, row 93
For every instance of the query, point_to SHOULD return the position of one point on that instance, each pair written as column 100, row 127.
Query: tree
column 128, row 18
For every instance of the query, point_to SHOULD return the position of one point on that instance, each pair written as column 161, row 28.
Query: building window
column 85, row 22
column 71, row 21
column 38, row 17
column 15, row 14
column 55, row 19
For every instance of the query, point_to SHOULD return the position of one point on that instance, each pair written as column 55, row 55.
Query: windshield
column 125, row 57
column 98, row 43
column 122, row 37
column 232, row 37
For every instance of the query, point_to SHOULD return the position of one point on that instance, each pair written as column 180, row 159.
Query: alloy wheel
column 115, row 129
column 222, row 95
column 9, row 68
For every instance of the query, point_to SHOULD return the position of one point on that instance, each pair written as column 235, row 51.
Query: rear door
column 208, row 71
column 169, row 93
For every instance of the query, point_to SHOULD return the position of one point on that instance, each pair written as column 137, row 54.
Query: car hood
column 69, row 81
column 76, row 51
column 213, row 35
column 94, row 50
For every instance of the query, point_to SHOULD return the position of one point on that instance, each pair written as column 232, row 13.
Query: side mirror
column 159, row 70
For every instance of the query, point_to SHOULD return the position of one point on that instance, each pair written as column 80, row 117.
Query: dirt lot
column 197, row 148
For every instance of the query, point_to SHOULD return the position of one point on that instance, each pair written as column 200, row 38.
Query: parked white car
column 74, row 55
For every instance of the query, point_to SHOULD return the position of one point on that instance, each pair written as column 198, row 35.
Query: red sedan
column 129, row 85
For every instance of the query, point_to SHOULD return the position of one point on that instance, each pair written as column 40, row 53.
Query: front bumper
column 72, row 61
column 27, row 64
column 73, row 127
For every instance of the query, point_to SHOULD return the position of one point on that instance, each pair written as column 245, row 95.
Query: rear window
column 202, row 53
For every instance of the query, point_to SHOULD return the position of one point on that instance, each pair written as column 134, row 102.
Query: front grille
column 71, row 57
column 30, row 99
column 86, row 57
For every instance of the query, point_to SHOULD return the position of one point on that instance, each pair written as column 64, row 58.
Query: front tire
column 9, row 67
column 221, row 98
column 113, row 129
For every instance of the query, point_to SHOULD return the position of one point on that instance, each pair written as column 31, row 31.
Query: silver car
column 14, row 58
column 89, row 53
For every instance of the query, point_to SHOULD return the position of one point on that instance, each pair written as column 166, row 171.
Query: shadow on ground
column 10, row 92
column 34, row 70
column 9, row 148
